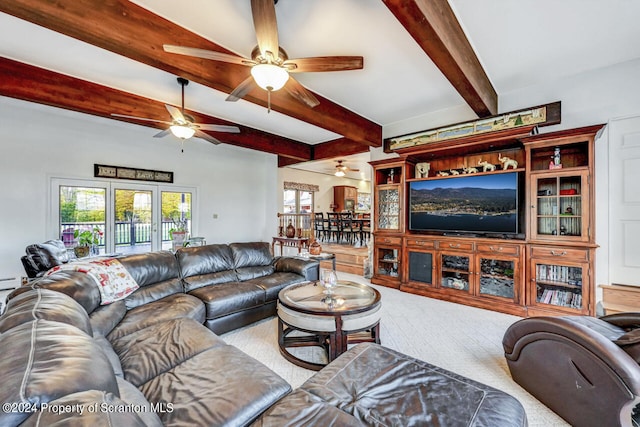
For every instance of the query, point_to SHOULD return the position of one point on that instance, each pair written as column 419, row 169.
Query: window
column 298, row 201
column 125, row 214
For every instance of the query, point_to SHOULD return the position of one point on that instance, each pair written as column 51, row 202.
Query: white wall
column 324, row 197
column 39, row 142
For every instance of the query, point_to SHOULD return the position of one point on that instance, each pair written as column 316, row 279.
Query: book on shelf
column 561, row 298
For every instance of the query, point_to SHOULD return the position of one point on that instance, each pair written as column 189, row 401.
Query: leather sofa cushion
column 149, row 352
column 203, row 260
column 106, row 317
column 132, row 396
column 79, row 286
column 44, row 360
column 380, row 386
column 247, row 273
column 151, row 267
column 113, row 358
column 99, row 418
column 200, row 280
column 273, row 283
column 306, row 268
column 153, row 292
column 44, row 304
column 48, row 254
column 235, row 390
column 171, row 307
column 227, row 298
column 251, row 254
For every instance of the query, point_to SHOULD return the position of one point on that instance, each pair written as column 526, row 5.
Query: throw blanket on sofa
column 112, row 279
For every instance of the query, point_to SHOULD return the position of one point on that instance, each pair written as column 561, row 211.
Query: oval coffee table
column 349, row 315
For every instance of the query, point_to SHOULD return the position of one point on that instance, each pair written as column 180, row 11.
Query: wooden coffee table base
column 333, row 343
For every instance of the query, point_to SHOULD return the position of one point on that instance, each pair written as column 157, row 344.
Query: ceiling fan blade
column 324, row 63
column 264, row 22
column 299, row 92
column 208, row 54
column 354, row 170
column 242, row 89
column 176, row 113
column 124, row 116
column 207, row 137
column 219, row 128
column 163, row 133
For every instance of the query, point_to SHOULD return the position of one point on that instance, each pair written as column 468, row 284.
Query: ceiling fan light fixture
column 182, row 132
column 270, row 77
column 339, row 173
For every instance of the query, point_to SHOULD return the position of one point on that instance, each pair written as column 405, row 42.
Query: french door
column 124, row 217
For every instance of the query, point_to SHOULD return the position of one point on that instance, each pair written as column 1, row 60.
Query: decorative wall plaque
column 543, row 115
column 121, row 172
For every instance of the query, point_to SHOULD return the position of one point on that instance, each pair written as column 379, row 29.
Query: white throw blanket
column 112, row 279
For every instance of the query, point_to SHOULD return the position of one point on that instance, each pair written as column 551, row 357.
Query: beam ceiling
column 129, row 30
column 434, row 26
column 29, row 83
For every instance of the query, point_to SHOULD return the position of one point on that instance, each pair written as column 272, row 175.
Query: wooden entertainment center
column 546, row 269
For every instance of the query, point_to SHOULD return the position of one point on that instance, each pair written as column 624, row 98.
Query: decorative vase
column 81, row 251
column 291, row 230
column 315, row 248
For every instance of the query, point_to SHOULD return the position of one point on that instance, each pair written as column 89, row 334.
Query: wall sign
column 120, row 172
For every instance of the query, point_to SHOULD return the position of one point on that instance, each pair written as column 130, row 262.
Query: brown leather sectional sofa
column 152, row 359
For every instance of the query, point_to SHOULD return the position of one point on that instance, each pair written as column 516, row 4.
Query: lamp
column 339, row 173
column 270, row 77
column 182, row 131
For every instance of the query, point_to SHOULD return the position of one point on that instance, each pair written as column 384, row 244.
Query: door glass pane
column 289, row 201
column 132, row 231
column 455, row 272
column 306, row 201
column 496, row 277
column 176, row 217
column 82, row 209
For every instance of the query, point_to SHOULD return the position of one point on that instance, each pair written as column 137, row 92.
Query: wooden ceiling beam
column 434, row 26
column 29, row 83
column 127, row 29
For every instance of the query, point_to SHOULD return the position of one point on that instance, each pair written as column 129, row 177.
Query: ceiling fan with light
column 183, row 125
column 270, row 65
column 341, row 169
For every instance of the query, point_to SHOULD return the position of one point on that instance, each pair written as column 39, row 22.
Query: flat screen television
column 467, row 204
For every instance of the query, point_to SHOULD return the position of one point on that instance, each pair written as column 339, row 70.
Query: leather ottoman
column 376, row 386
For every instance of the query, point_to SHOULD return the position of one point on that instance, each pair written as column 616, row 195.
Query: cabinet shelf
column 453, row 270
column 390, row 261
column 558, row 284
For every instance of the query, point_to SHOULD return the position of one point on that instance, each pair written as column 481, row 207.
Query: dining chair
column 322, row 231
column 333, row 220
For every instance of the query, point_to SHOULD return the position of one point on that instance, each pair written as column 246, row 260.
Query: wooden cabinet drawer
column 560, row 253
column 421, row 243
column 457, row 246
column 384, row 240
column 499, row 248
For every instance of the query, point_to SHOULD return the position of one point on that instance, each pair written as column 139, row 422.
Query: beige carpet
column 465, row 340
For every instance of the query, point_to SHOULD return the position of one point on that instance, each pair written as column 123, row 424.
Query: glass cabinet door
column 559, row 285
column 497, row 277
column 455, row 273
column 388, row 213
column 560, row 206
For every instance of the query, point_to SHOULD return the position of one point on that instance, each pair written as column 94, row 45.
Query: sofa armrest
column 623, row 320
column 582, row 334
column 307, row 268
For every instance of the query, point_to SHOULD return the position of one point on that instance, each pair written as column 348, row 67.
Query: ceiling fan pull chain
column 268, row 101
column 181, row 145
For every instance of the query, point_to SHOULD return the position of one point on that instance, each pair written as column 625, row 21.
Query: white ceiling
column 519, row 43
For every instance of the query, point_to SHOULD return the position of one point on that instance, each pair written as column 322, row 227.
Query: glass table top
column 345, row 298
